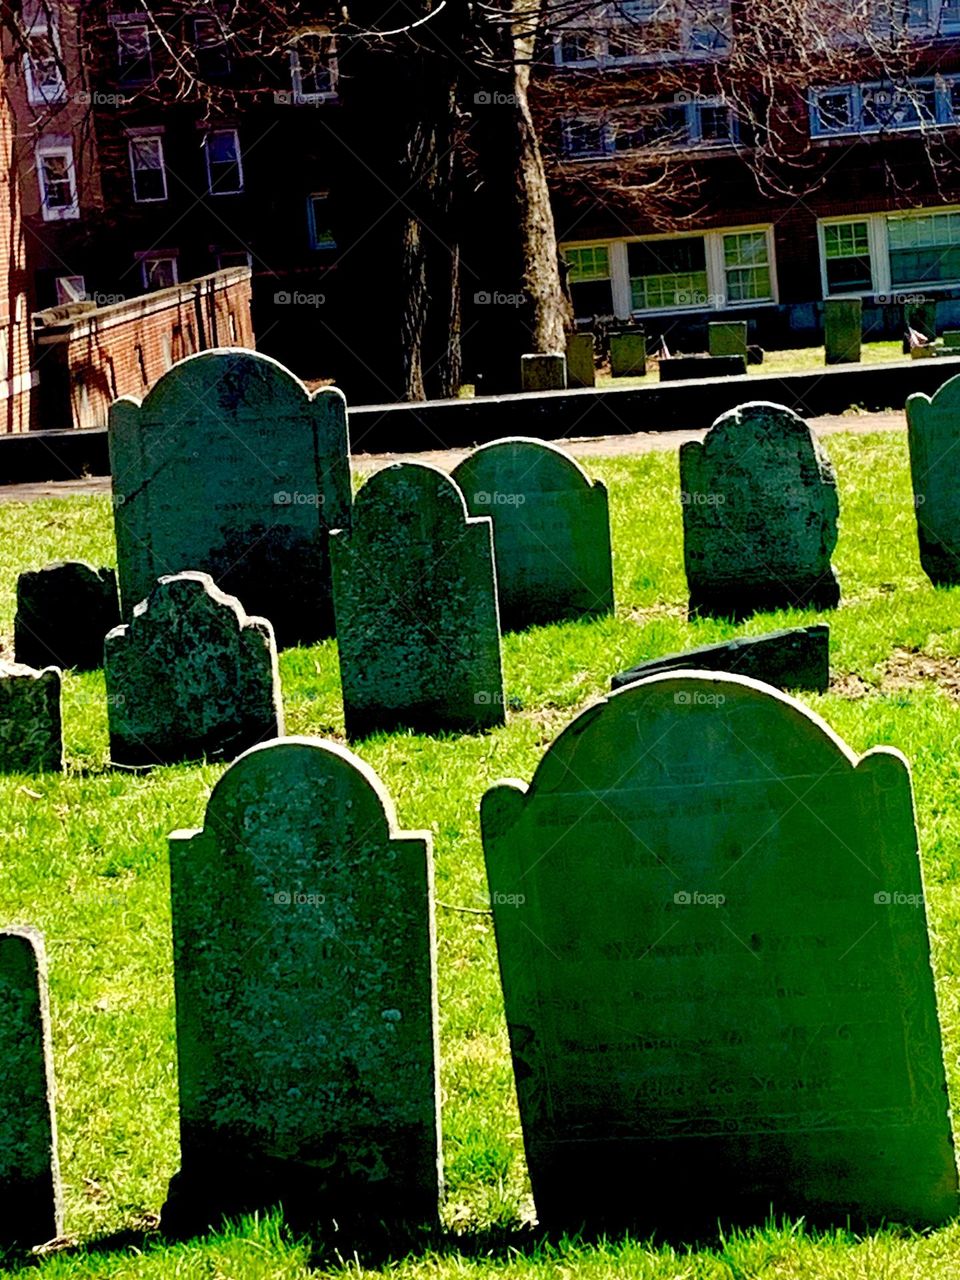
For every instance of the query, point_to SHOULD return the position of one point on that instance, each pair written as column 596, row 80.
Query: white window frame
column 70, row 289
column 317, row 245
column 220, row 254
column 876, row 237
column 157, row 255
column 128, row 22
column 878, row 222
column 296, row 76
column 237, row 191
column 57, row 147
column 198, row 20
column 606, row 17
column 35, row 95
column 692, row 140
column 147, row 136
column 943, row 108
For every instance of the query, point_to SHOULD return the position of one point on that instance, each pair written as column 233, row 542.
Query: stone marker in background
column 921, row 316
column 304, row 969
column 798, row 658
column 681, row 368
column 933, row 432
column 716, row 971
column 842, row 330
column 581, row 367
column 546, row 372
column 759, row 515
column 551, row 530
column 31, row 734
column 231, row 467
column 30, row 1200
column 64, row 610
column 416, row 606
column 190, row 675
column 728, row 337
column 951, row 338
column 628, row 354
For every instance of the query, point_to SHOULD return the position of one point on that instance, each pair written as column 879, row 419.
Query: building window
column 58, row 180
column 847, row 257
column 877, row 108
column 585, row 137
column 746, row 265
column 677, row 126
column 589, row 278
column 314, row 70
column 577, row 46
column 210, row 49
column 5, row 333
column 224, row 168
column 924, row 249
column 158, row 270
column 134, row 52
column 667, row 274
column 643, row 31
column 71, row 289
column 147, row 168
column 232, row 258
column 318, row 221
column 43, row 66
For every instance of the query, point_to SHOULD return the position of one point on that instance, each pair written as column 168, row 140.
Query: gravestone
column 418, row 634
column 728, row 337
column 543, row 372
column 232, row 468
column 797, row 658
column 842, row 330
column 681, row 368
column 628, row 354
column 951, row 338
column 759, row 515
column 304, row 970
column 551, row 531
column 921, row 316
column 191, row 675
column 716, row 972
column 581, row 367
column 933, row 433
column 31, row 734
column 30, row 1199
column 64, row 610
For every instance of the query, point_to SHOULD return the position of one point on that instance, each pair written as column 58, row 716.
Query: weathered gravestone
column 551, row 530
column 842, row 330
column 581, row 366
column 190, row 675
column 31, row 735
column 304, row 969
column 30, row 1199
column 951, row 338
column 760, row 514
column 418, row 633
column 728, row 337
column 796, row 658
column 64, row 610
column 628, row 354
column 933, row 432
column 716, row 971
column 231, row 467
column 546, row 372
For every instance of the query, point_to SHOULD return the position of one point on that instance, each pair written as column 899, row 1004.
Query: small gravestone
column 30, row 1199
column 759, row 515
column 232, row 468
column 683, row 368
column 951, row 338
column 728, row 337
column 551, row 531
column 798, row 658
column 933, row 432
column 31, row 735
column 418, row 634
column 628, row 354
column 64, row 610
column 842, row 330
column 581, row 366
column 543, row 372
column 716, row 971
column 921, row 317
column 190, row 675
column 304, row 970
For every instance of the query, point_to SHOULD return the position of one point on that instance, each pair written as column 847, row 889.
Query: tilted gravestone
column 416, row 607
column 304, row 969
column 933, row 432
column 231, row 467
column 30, row 1198
column 551, row 530
column 190, row 675
column 716, row 970
column 842, row 330
column 64, row 610
column 760, row 515
column 31, row 733
column 628, row 354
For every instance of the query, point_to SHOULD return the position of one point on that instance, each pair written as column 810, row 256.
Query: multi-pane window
column 314, row 69
column 924, row 249
column 318, row 221
column 589, row 278
column 873, row 108
column 920, row 16
column 134, row 52
column 665, row 274
column 43, row 66
column 210, row 48
column 58, row 180
column 746, row 265
column 846, row 251
column 159, row 270
column 224, row 168
column 71, row 289
column 147, row 169
column 674, row 125
column 638, row 30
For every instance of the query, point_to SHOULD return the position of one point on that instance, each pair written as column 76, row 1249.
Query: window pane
column 133, row 52
column 668, row 273
column 592, row 263
column 223, row 162
column 835, row 111
column 56, row 181
column 146, row 158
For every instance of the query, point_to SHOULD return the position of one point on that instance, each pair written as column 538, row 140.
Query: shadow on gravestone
column 305, row 976
column 760, row 512
column 231, row 467
column 551, row 531
column 716, row 971
column 30, row 1199
column 190, row 676
column 418, row 633
column 64, row 610
column 933, row 433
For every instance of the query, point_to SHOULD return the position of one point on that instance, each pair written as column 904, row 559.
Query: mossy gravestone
column 416, row 606
column 933, row 431
column 64, row 610
column 551, row 531
column 190, row 675
column 30, row 1202
column 231, row 467
column 304, row 966
column 760, row 515
column 710, row 922
column 31, row 733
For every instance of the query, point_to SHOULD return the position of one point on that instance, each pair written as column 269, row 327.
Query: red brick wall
column 15, row 375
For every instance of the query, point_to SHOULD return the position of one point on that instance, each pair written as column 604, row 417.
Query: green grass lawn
column 84, row 857
column 792, row 360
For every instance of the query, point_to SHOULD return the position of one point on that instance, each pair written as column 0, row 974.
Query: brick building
column 16, row 377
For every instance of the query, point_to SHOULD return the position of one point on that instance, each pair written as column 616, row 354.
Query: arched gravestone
column 304, row 965
column 231, row 467
column 190, row 675
column 551, row 530
column 760, row 514
column 715, row 964
column 415, row 595
column 933, row 432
